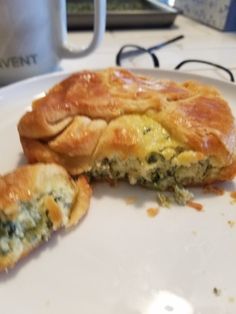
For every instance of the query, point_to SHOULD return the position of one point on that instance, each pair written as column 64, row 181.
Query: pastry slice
column 120, row 125
column 35, row 201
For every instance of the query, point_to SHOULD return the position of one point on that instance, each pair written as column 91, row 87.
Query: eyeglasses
column 132, row 52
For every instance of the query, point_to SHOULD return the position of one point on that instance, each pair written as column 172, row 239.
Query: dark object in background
column 121, row 14
column 130, row 51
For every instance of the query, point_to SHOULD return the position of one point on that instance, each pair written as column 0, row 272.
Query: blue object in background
column 220, row 14
column 230, row 24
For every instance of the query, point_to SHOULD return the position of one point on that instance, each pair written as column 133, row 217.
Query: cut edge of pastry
column 35, row 201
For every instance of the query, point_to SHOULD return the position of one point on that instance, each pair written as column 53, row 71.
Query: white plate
column 119, row 260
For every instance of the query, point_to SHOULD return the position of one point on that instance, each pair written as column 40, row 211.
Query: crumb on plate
column 231, row 223
column 130, row 200
column 233, row 196
column 153, row 211
column 216, row 291
column 195, row 205
column 163, row 200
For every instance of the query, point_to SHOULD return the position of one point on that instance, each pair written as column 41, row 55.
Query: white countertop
column 200, row 42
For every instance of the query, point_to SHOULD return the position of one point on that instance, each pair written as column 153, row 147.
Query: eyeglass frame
column 138, row 50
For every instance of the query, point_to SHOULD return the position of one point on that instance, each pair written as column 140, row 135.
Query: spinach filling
column 154, row 172
column 31, row 226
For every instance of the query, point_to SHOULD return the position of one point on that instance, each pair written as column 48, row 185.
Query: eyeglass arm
column 137, row 52
column 208, row 63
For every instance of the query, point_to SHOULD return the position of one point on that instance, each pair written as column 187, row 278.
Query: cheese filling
column 154, row 172
column 138, row 149
column 31, row 226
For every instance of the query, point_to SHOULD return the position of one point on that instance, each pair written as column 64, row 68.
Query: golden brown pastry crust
column 29, row 182
column 106, row 94
column 193, row 113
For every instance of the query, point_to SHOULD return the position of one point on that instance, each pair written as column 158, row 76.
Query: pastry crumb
column 216, row 291
column 195, row 205
column 130, row 200
column 231, row 299
column 231, row 223
column 194, row 232
column 163, row 200
column 153, row 211
column 182, row 196
column 233, row 196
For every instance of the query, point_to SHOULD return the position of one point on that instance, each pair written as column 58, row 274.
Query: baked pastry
column 119, row 125
column 36, row 200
